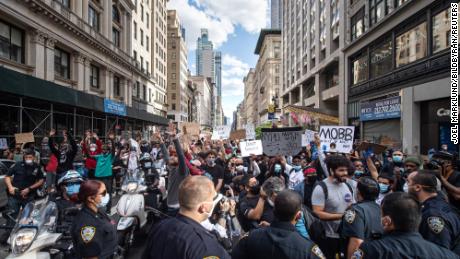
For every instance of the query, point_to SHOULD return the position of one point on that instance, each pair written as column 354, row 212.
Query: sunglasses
column 103, row 193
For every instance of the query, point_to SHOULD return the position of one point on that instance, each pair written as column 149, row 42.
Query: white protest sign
column 253, row 147
column 341, row 136
column 250, row 131
column 282, row 141
column 221, row 132
column 308, row 137
column 3, row 143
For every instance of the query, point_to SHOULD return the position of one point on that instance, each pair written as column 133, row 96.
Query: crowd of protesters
column 310, row 205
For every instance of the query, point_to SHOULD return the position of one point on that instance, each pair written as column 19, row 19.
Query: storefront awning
column 25, row 85
column 326, row 116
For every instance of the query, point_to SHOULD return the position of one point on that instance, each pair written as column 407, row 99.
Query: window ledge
column 65, row 80
column 97, row 90
column 17, row 64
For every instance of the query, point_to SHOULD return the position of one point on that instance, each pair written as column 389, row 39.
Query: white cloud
column 233, row 72
column 220, row 17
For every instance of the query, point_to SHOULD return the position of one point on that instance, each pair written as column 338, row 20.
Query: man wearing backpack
column 330, row 198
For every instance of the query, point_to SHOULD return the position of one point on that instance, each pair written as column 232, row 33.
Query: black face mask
column 254, row 189
column 311, row 179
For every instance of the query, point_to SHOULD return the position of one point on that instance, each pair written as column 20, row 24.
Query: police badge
column 316, row 251
column 436, row 224
column 87, row 233
column 349, row 216
column 358, row 254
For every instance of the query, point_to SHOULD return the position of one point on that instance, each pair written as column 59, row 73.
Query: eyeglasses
column 103, row 193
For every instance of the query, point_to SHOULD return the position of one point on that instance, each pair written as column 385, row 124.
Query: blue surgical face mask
column 104, row 201
column 297, row 168
column 384, row 188
column 397, row 159
column 277, row 168
column 72, row 189
column 359, row 173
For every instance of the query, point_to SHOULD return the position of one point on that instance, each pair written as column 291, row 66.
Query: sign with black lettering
column 282, row 141
column 336, row 138
column 381, row 109
column 251, row 147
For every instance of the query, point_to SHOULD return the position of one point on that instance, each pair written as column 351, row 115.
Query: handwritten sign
column 253, row 147
column 3, row 143
column 308, row 137
column 238, row 134
column 221, row 132
column 376, row 148
column 24, row 137
column 190, row 128
column 250, row 131
column 341, row 136
column 282, row 141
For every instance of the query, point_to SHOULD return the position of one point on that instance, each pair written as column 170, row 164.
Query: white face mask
column 272, row 204
column 209, row 213
column 104, row 201
column 92, row 149
column 406, row 188
column 29, row 162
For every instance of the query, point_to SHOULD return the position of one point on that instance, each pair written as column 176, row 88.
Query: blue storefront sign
column 271, row 116
column 114, row 107
column 381, row 109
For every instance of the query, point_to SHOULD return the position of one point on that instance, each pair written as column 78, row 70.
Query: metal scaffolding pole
column 20, row 114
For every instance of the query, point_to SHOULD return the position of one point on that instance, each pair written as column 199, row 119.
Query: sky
column 234, row 27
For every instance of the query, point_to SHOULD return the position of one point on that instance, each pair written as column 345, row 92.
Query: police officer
column 401, row 218
column 27, row 177
column 361, row 222
column 93, row 233
column 440, row 223
column 183, row 236
column 279, row 240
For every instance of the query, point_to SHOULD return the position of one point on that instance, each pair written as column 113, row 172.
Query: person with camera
column 22, row 179
column 443, row 164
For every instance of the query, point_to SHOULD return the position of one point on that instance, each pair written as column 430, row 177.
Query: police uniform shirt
column 362, row 221
column 182, row 237
column 399, row 245
column 280, row 240
column 440, row 223
column 93, row 234
column 25, row 175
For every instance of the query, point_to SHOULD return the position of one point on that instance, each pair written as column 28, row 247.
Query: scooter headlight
column 22, row 240
column 131, row 187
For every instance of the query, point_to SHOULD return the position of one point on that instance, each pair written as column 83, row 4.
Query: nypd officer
column 281, row 239
column 361, row 222
column 183, row 236
column 401, row 219
column 26, row 178
column 440, row 223
column 93, row 234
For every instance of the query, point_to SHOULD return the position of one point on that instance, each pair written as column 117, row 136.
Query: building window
column 276, row 50
column 65, row 3
column 147, row 43
column 148, row 20
column 147, row 66
column 381, row 59
column 173, row 75
column 116, row 86
column 11, row 43
column 173, row 96
column 360, row 69
column 335, row 17
column 144, row 92
column 135, row 30
column 441, row 31
column 116, row 37
column 142, row 37
column 138, row 89
column 173, row 86
column 377, row 10
column 93, row 18
column 61, row 63
column 142, row 13
column 173, row 66
column 150, row 95
column 173, row 106
column 135, row 55
column 400, row 2
column 411, row 45
column 94, row 77
column 142, row 63
column 357, row 24
column 115, row 14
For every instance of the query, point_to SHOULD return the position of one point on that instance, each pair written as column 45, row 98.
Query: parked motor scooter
column 131, row 208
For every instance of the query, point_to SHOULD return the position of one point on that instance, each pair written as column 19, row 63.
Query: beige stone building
column 68, row 64
column 203, row 100
column 249, row 98
column 178, row 100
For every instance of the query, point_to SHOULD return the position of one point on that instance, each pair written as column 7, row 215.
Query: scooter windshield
column 39, row 214
column 132, row 181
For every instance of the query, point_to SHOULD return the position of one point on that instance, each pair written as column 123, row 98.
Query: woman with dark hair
column 93, row 234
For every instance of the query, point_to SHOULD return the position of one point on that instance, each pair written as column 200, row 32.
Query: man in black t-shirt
column 450, row 179
column 248, row 202
column 215, row 170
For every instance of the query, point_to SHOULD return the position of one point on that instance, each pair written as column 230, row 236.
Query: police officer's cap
column 443, row 155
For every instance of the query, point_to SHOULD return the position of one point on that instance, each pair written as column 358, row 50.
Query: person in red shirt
column 91, row 146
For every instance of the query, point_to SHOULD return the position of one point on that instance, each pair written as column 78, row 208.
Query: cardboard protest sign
column 282, row 141
column 3, row 143
column 238, row 134
column 376, row 148
column 250, row 131
column 308, row 137
column 190, row 128
column 221, row 132
column 24, row 137
column 341, row 136
column 253, row 147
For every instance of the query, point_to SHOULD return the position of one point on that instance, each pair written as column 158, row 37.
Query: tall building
column 218, row 71
column 250, row 95
column 69, row 65
column 313, row 37
column 205, row 64
column 276, row 14
column 178, row 100
column 148, row 94
column 398, row 58
column 267, row 76
column 204, row 96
